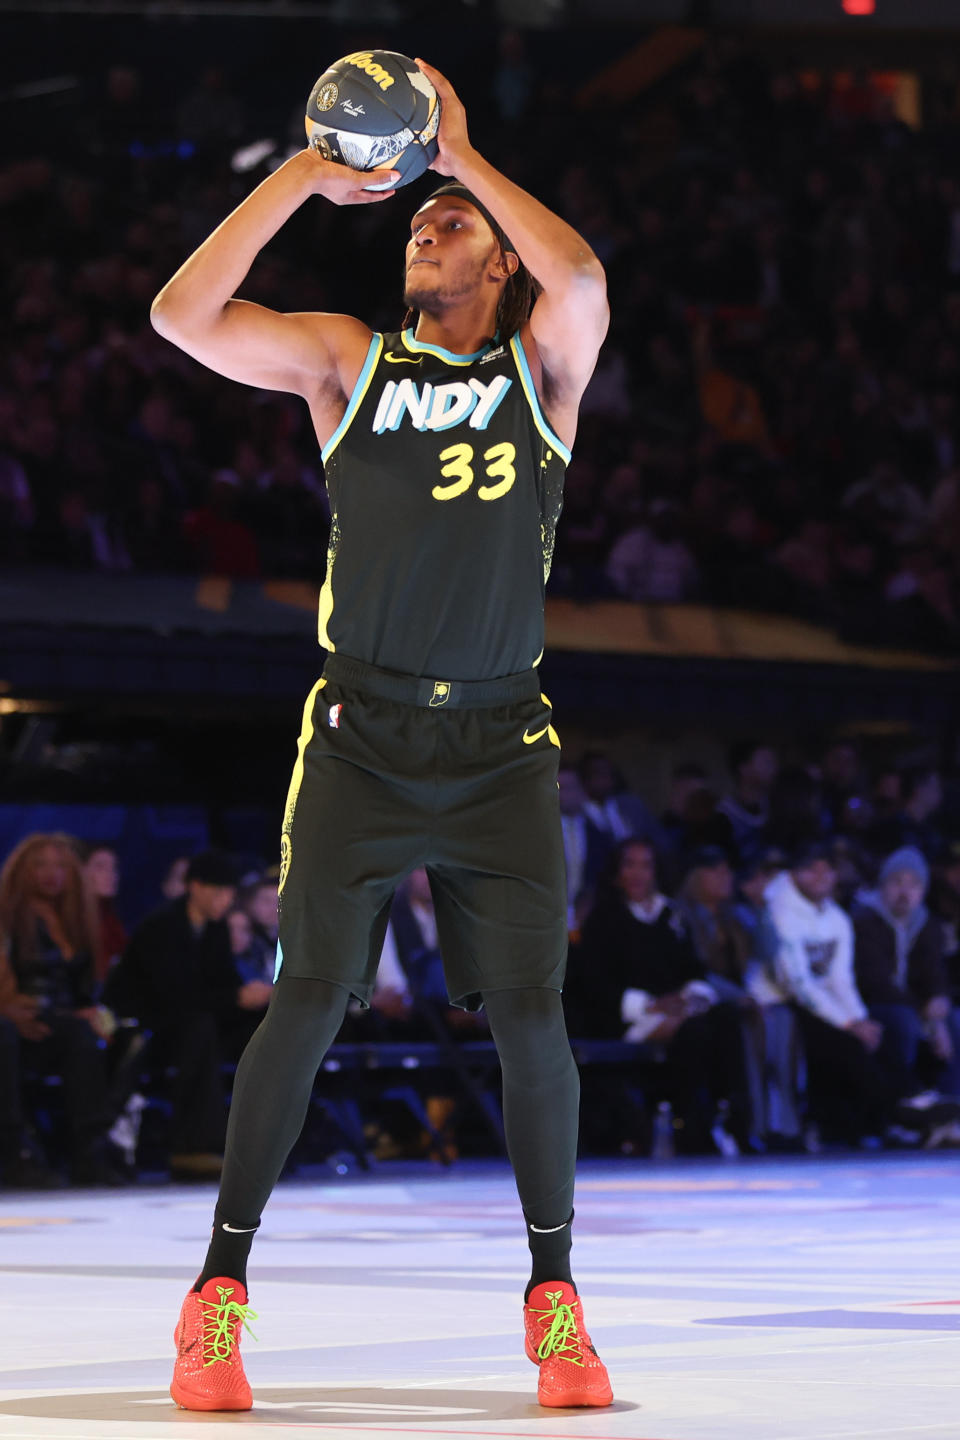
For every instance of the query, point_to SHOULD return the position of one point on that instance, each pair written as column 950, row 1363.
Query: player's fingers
column 379, row 177
column 368, row 197
column 439, row 82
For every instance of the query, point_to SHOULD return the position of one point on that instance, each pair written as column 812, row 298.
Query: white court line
column 857, row 1434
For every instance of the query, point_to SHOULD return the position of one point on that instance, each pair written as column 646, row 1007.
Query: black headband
column 453, row 187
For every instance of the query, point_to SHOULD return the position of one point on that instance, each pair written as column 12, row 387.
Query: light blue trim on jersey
column 279, row 962
column 539, row 419
column 410, row 341
column 353, row 404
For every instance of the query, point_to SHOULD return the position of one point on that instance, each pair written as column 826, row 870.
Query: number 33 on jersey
column 445, row 482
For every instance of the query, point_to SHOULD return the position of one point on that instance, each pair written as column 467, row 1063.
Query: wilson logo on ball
column 364, row 61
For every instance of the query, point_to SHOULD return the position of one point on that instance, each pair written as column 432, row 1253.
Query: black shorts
column 394, row 772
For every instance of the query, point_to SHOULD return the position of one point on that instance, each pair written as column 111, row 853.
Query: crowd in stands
column 779, row 966
column 773, row 422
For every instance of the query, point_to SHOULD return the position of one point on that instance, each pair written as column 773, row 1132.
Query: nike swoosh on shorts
column 529, row 739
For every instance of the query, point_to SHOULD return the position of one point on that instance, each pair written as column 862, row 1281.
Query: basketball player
column 427, row 740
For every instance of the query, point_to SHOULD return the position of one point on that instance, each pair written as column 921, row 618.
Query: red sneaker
column 208, row 1373
column 571, row 1372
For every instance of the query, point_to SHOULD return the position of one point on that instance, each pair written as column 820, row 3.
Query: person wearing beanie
column 177, row 978
column 901, row 973
column 848, row 1088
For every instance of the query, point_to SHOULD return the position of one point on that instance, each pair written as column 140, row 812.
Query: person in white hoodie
column 850, row 1092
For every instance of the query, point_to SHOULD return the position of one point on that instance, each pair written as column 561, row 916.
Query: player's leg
column 271, row 1094
column 348, row 836
column 541, row 1104
column 500, row 896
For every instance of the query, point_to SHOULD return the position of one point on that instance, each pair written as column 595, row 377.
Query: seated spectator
column 705, row 901
column 901, row 973
column 609, row 804
column 849, row 1087
column 259, row 901
column 722, row 945
column 916, row 823
column 640, row 977
column 101, row 869
column 586, row 846
column 178, row 979
column 841, row 776
column 780, row 1127
column 754, row 766
column 48, row 1021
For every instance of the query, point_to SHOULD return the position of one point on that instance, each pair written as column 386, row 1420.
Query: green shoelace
column 562, row 1337
column 219, row 1317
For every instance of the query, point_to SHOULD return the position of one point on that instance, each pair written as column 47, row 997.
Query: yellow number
column 499, row 460
column 457, row 459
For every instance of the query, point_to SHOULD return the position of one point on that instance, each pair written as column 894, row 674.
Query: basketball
column 375, row 110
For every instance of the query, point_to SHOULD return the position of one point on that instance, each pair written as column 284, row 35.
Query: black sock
column 229, row 1248
column 550, row 1249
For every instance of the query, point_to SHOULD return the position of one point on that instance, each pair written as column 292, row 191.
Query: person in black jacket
column 901, row 973
column 640, row 978
column 177, row 977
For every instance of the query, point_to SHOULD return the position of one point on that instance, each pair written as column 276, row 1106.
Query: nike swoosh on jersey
column 403, row 359
column 529, row 739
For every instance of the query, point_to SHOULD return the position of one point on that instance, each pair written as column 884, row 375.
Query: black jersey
column 445, row 484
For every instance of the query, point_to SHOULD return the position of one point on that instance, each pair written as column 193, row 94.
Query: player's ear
column 507, row 263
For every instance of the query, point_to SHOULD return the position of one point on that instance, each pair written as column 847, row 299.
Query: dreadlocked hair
column 513, row 309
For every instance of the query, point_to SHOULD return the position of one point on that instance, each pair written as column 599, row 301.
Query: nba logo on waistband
column 441, row 693
column 333, row 719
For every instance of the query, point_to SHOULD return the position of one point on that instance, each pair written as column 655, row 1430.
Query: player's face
column 450, row 254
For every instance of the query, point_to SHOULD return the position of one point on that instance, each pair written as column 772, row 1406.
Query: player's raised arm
column 197, row 311
column 570, row 317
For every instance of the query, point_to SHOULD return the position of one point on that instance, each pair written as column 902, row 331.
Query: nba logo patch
column 333, row 719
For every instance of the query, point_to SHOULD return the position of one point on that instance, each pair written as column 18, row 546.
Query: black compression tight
column 541, row 1099
column 275, row 1078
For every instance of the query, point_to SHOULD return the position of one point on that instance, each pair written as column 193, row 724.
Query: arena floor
column 803, row 1300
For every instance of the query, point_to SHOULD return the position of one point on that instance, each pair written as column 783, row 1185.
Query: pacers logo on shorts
column 441, row 694
column 286, row 850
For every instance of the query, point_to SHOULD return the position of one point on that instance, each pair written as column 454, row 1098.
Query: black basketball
column 375, row 110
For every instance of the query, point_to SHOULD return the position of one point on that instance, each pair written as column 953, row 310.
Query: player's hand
column 343, row 186
column 452, row 137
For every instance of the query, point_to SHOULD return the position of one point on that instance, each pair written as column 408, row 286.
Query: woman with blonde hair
column 48, row 1021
